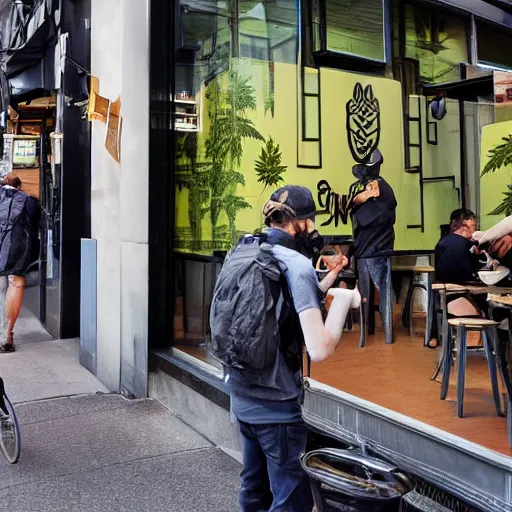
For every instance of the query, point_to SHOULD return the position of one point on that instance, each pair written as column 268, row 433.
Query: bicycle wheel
column 10, row 438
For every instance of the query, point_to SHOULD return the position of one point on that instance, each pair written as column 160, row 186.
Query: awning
column 27, row 30
column 469, row 89
column 481, row 9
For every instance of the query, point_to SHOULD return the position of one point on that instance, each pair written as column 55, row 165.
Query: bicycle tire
column 11, row 449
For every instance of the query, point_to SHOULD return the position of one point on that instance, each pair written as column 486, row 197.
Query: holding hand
column 372, row 190
column 499, row 248
column 334, row 263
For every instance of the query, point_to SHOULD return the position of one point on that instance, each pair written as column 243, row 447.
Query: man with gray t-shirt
column 274, row 435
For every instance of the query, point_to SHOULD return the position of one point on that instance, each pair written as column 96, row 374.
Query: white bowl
column 492, row 277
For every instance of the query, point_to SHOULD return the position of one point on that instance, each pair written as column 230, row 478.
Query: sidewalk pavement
column 87, row 450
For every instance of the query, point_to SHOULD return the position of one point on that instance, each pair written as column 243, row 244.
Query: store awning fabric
column 26, row 32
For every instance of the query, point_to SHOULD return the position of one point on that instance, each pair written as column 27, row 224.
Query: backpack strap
column 278, row 237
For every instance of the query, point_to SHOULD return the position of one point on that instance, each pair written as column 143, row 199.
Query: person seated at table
column 456, row 264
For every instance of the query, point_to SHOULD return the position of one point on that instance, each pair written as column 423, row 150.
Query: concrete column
column 120, row 59
column 106, row 64
column 134, row 198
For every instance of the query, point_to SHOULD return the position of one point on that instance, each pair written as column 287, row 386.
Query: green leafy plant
column 269, row 168
column 501, row 156
column 232, row 205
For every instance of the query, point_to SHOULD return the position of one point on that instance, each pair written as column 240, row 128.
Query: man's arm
column 501, row 247
column 332, row 275
column 372, row 191
column 322, row 339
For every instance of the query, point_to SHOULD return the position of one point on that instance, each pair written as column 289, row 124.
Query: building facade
column 219, row 102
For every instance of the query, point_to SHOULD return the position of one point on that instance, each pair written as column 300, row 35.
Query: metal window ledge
column 479, row 476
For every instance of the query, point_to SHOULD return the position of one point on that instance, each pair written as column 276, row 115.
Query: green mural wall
column 218, row 195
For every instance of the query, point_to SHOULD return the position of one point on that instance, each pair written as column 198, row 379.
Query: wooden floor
column 398, row 377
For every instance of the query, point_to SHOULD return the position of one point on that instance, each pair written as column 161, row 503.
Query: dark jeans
column 378, row 271
column 272, row 477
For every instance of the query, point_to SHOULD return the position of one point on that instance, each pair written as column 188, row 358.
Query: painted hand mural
column 363, row 123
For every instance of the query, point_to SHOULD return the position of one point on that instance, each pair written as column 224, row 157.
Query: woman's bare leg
column 3, row 296
column 13, row 303
column 462, row 307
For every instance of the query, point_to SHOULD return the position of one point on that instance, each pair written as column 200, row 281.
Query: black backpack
column 245, row 309
column 15, row 234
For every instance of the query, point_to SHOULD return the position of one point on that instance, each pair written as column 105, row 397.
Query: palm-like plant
column 229, row 129
column 232, row 205
column 268, row 166
column 501, row 156
column 194, row 177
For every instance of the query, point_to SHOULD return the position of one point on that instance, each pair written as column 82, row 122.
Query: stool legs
column 461, row 373
column 407, row 304
column 490, row 341
column 446, row 362
column 430, row 310
column 362, row 323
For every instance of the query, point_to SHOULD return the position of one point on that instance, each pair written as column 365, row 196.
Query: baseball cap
column 295, row 199
column 371, row 169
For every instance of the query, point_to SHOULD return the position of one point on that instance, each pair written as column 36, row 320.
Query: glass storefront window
column 494, row 47
column 268, row 30
column 356, row 28
column 226, row 63
column 247, row 118
column 438, row 41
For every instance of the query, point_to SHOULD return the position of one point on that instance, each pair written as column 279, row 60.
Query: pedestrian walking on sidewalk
column 267, row 303
column 18, row 223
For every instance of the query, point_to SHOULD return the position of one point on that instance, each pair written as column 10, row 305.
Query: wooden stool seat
column 473, row 323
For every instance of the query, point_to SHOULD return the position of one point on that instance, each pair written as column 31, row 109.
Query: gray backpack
column 245, row 307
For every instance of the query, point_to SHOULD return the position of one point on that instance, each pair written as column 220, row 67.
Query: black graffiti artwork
column 363, row 123
column 332, row 204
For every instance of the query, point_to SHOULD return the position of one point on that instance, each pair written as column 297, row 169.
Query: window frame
column 324, row 36
column 464, row 16
column 479, row 22
column 313, row 12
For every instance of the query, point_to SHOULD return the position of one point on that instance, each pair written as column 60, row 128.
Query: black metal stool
column 489, row 335
column 503, row 363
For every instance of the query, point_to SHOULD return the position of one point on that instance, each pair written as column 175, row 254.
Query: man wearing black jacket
column 373, row 213
column 455, row 263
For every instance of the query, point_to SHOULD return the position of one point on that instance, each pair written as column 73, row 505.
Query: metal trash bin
column 350, row 481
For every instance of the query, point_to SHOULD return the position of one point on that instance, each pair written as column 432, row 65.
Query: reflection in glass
column 223, row 94
column 438, row 42
column 356, row 28
column 494, row 47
